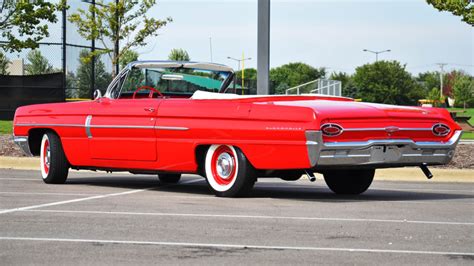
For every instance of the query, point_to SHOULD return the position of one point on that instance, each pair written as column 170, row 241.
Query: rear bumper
column 22, row 142
column 379, row 153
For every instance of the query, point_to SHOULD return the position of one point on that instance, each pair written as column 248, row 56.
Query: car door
column 123, row 129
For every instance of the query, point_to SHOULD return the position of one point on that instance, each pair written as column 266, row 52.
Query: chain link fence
column 62, row 52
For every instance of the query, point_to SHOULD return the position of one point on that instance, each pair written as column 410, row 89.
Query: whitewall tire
column 228, row 172
column 53, row 163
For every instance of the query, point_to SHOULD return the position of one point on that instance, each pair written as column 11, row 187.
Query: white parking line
column 20, row 179
column 313, row 187
column 47, row 193
column 424, row 189
column 239, row 246
column 233, row 216
column 85, row 199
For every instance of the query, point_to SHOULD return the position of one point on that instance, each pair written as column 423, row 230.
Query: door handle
column 149, row 109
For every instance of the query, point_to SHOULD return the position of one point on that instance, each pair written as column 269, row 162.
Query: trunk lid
column 335, row 110
column 365, row 121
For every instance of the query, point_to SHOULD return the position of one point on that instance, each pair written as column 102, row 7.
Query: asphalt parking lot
column 99, row 218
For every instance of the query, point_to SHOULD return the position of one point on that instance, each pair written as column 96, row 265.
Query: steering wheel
column 151, row 89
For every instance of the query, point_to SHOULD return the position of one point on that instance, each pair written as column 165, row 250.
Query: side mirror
column 97, row 94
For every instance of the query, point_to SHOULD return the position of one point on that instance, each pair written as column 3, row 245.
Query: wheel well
column 200, row 154
column 34, row 139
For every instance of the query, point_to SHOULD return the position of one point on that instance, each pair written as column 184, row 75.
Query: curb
column 19, row 163
column 414, row 174
column 407, row 174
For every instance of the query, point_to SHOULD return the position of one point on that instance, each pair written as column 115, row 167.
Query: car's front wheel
column 54, row 165
column 228, row 172
column 353, row 182
column 169, row 178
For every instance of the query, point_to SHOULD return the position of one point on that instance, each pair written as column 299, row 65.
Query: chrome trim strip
column 313, row 145
column 87, row 125
column 171, row 128
column 22, row 142
column 121, row 127
column 48, row 125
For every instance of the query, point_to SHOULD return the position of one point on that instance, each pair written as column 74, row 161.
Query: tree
column 348, row 87
column 463, row 8
column 386, row 82
column 124, row 21
column 71, row 91
column 294, row 74
column 429, row 80
column 463, row 89
column 38, row 64
column 83, row 78
column 434, row 96
column 127, row 57
column 24, row 23
column 4, row 64
column 179, row 55
column 250, row 74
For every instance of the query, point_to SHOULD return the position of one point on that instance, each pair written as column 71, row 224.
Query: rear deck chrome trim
column 419, row 144
column 386, row 128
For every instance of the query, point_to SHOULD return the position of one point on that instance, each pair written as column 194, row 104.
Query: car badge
column 391, row 129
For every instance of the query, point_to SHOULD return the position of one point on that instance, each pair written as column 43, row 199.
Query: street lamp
column 239, row 61
column 377, row 53
column 243, row 68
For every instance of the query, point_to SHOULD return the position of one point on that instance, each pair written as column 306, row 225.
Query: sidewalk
column 413, row 174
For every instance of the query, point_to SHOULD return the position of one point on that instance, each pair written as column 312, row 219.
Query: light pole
column 377, row 53
column 441, row 73
column 238, row 67
column 210, row 47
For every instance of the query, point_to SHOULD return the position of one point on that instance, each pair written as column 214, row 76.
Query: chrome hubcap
column 47, row 157
column 225, row 165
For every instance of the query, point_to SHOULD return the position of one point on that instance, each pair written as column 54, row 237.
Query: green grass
column 5, row 127
column 467, row 135
column 469, row 112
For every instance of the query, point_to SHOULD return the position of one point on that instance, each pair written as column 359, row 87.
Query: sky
column 322, row 33
column 329, row 34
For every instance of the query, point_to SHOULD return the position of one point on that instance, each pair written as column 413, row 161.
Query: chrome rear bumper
column 22, row 142
column 379, row 153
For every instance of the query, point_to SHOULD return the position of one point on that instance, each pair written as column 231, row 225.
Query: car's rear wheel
column 169, row 178
column 54, row 165
column 228, row 172
column 352, row 182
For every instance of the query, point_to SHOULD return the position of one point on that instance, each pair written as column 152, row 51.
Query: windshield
column 178, row 82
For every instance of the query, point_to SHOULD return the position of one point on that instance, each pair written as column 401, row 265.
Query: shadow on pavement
column 267, row 190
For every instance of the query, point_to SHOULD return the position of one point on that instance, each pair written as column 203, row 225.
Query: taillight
column 441, row 130
column 331, row 130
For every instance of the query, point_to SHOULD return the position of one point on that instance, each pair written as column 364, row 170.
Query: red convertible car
column 170, row 118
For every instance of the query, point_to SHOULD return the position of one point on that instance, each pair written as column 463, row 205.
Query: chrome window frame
column 168, row 64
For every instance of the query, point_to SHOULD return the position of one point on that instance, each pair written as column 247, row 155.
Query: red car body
column 277, row 134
